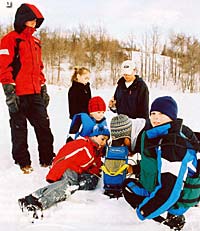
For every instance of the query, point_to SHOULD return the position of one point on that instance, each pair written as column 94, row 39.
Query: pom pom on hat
column 96, row 104
column 120, row 127
column 166, row 105
column 100, row 129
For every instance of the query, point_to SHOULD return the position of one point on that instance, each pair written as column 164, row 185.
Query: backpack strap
column 114, row 173
column 81, row 125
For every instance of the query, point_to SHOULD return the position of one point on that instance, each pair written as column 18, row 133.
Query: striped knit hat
column 120, row 127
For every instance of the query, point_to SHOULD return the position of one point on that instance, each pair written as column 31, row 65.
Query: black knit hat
column 166, row 105
column 120, row 127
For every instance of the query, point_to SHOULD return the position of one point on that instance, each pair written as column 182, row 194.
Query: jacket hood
column 27, row 12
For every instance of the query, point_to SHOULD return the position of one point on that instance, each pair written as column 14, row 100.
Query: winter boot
column 175, row 222
column 26, row 169
column 46, row 165
column 31, row 206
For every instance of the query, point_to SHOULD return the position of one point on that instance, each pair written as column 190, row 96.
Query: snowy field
column 84, row 211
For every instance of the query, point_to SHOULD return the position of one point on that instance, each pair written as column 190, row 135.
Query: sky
column 120, row 19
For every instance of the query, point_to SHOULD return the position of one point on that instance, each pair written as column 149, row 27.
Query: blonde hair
column 79, row 71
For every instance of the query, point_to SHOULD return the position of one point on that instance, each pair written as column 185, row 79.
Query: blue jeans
column 62, row 189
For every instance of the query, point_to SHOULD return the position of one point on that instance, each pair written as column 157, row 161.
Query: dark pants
column 32, row 109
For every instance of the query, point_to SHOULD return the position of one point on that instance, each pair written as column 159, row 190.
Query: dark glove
column 12, row 99
column 87, row 181
column 175, row 221
column 45, row 95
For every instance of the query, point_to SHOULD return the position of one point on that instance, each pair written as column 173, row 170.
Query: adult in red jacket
column 24, row 86
column 76, row 167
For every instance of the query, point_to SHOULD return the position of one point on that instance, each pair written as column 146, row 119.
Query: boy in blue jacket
column 83, row 123
column 168, row 160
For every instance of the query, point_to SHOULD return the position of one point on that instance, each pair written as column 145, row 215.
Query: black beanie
column 166, row 105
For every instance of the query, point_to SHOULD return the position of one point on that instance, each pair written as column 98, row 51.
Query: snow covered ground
column 84, row 210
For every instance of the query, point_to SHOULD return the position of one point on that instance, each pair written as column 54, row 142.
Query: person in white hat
column 131, row 96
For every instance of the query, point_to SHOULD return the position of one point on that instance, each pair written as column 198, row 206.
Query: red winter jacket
column 80, row 155
column 29, row 77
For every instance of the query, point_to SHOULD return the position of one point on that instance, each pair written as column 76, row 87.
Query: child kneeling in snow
column 169, row 168
column 76, row 167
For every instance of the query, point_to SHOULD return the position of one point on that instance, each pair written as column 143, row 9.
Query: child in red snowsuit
column 76, row 167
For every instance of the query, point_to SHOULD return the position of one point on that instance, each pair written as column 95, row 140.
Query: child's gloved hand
column 12, row 100
column 45, row 95
column 112, row 104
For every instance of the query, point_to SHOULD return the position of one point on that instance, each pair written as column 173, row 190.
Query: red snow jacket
column 29, row 76
column 80, row 155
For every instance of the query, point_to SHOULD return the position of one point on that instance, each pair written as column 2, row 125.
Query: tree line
column 175, row 62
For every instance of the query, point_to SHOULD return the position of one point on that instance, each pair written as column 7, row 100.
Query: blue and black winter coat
column 82, row 124
column 168, row 160
column 134, row 100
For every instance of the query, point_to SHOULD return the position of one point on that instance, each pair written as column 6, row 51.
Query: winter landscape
column 85, row 210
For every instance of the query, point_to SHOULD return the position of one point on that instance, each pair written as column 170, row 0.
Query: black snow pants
column 31, row 108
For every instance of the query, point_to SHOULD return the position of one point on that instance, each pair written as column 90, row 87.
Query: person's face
column 101, row 140
column 129, row 78
column 31, row 23
column 157, row 118
column 127, row 142
column 97, row 115
column 84, row 78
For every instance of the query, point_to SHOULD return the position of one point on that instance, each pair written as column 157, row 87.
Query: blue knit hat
column 100, row 129
column 166, row 105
